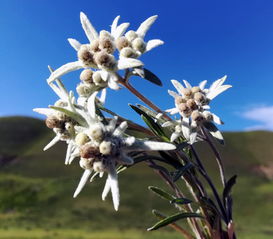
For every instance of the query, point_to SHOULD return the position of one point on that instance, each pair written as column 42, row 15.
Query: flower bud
column 105, row 147
column 197, row 116
column 104, row 33
column 186, row 92
column 86, row 76
column 81, row 139
column 131, row 35
column 84, row 90
column 94, row 45
column 139, row 45
column 96, row 132
column 97, row 79
column 53, row 122
column 199, row 97
column 86, row 163
column 128, row 52
column 122, row 42
column 179, row 99
column 191, row 104
column 105, row 60
column 61, row 116
column 208, row 116
column 89, row 151
column 98, row 166
column 60, row 103
column 107, row 44
column 195, row 89
column 86, row 56
column 184, row 109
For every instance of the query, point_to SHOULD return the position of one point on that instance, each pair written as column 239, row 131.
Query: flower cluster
column 98, row 59
column 99, row 144
column 192, row 103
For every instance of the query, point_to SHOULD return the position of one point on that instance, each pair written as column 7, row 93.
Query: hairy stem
column 209, row 181
column 217, row 155
column 141, row 97
column 192, row 222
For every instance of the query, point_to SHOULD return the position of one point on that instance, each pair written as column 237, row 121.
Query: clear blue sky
column 204, row 40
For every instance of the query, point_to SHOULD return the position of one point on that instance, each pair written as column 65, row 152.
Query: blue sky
column 204, row 40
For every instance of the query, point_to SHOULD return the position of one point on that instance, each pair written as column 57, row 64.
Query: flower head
column 107, row 148
column 98, row 53
column 192, row 103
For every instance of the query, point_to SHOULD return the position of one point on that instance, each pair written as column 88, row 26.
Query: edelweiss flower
column 192, row 103
column 103, row 147
column 65, row 116
column 132, row 45
column 98, row 53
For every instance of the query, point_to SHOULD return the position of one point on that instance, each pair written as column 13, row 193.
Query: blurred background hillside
column 36, row 189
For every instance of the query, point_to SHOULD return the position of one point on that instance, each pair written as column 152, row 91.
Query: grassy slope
column 36, row 189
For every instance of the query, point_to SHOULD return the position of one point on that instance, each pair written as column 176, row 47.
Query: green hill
column 36, row 189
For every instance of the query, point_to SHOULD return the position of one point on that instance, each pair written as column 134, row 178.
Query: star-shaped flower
column 98, row 53
column 105, row 149
column 192, row 103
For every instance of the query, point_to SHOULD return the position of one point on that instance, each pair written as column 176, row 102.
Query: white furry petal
column 124, row 63
column 218, row 83
column 177, row 86
column 91, row 107
column 88, row 28
column 187, row 84
column 68, row 152
column 74, row 43
column 145, row 26
column 82, row 182
column 113, row 178
column 213, row 93
column 64, row 69
column 174, row 136
column 186, row 127
column 140, row 145
column 52, row 142
column 44, row 111
column 114, row 25
column 113, row 84
column 102, row 98
column 153, row 43
column 202, row 84
column 119, row 31
column 106, row 189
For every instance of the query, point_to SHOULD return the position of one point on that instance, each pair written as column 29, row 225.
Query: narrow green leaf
column 214, row 132
column 209, row 204
column 181, row 171
column 161, row 193
column 151, row 113
column 137, row 110
column 160, row 168
column 230, row 183
column 150, row 76
column 158, row 214
column 171, row 219
column 155, row 127
column 78, row 118
column 170, row 158
column 181, row 201
column 157, row 130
